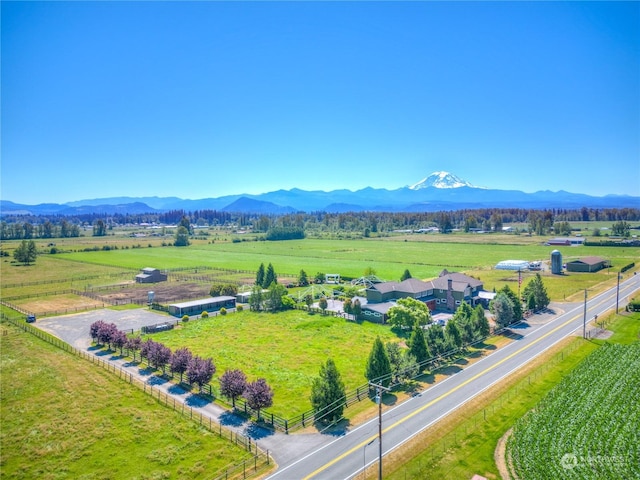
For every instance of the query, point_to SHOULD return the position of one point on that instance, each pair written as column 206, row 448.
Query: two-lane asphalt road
column 345, row 457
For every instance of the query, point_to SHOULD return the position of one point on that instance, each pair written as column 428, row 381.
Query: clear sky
column 204, row 99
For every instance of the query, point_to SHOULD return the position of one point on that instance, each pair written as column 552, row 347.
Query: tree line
column 298, row 225
column 192, row 368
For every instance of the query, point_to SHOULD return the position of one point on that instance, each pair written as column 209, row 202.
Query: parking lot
column 74, row 329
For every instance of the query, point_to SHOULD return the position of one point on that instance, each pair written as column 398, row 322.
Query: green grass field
column 388, row 257
column 63, row 418
column 287, row 349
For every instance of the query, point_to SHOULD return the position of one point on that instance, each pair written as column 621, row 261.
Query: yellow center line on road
column 444, row 395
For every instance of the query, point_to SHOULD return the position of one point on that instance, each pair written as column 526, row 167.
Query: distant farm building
column 196, row 307
column 588, row 264
column 512, row 265
column 567, row 241
column 151, row 275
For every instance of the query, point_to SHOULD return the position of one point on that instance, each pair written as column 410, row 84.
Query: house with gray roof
column 445, row 293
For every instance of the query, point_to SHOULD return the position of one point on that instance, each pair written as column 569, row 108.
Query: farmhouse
column 445, row 293
column 196, row 307
column 150, row 275
column 588, row 264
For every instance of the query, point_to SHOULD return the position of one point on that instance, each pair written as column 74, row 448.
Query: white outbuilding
column 512, row 265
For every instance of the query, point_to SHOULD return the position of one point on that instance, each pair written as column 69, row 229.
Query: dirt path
column 500, row 456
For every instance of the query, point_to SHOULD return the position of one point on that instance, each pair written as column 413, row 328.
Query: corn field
column 588, row 427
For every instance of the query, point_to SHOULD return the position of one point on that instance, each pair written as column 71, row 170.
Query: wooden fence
column 259, row 460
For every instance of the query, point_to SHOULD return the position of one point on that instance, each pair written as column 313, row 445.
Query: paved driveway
column 74, row 329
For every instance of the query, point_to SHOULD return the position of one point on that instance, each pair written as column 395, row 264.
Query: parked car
column 31, row 318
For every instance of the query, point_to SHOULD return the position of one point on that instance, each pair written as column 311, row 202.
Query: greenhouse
column 513, row 265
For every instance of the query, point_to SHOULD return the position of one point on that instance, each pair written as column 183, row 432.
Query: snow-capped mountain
column 448, row 192
column 441, row 180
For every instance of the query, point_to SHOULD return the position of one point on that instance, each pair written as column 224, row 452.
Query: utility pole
column 379, row 389
column 618, row 293
column 584, row 319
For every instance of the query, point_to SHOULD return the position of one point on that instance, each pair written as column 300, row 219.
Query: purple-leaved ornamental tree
column 200, row 371
column 106, row 333
column 95, row 328
column 145, row 348
column 258, row 395
column 180, row 361
column 233, row 384
column 159, row 356
column 119, row 339
column 133, row 344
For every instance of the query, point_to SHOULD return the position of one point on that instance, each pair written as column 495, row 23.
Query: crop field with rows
column 588, row 427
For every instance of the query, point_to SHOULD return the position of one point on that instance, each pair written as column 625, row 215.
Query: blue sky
column 205, row 99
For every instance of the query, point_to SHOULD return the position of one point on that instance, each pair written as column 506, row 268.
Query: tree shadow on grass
column 461, row 361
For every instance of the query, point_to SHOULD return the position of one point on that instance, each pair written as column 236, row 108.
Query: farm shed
column 150, row 275
column 196, row 307
column 587, row 264
column 567, row 241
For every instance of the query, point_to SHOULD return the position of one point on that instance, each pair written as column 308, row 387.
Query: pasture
column 63, row 417
column 287, row 349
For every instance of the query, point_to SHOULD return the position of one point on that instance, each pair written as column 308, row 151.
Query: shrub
column 223, row 311
column 185, row 318
column 634, row 306
column 239, row 308
column 205, row 314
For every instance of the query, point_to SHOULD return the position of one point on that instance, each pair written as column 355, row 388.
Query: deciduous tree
column 200, row 371
column 179, row 362
column 258, row 395
column 233, row 384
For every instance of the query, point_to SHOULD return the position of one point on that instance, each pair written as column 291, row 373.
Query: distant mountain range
column 438, row 191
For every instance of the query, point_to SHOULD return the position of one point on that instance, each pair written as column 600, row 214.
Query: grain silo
column 556, row 262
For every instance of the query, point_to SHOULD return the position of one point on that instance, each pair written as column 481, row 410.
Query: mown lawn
column 65, row 418
column 287, row 349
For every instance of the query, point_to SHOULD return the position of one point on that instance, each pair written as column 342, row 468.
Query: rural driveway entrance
column 74, row 329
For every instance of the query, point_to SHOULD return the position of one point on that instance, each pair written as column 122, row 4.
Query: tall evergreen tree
column 328, row 392
column 418, row 345
column 260, row 275
column 535, row 287
column 406, row 275
column 480, row 322
column 378, row 366
column 516, row 303
column 269, row 277
column 452, row 335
